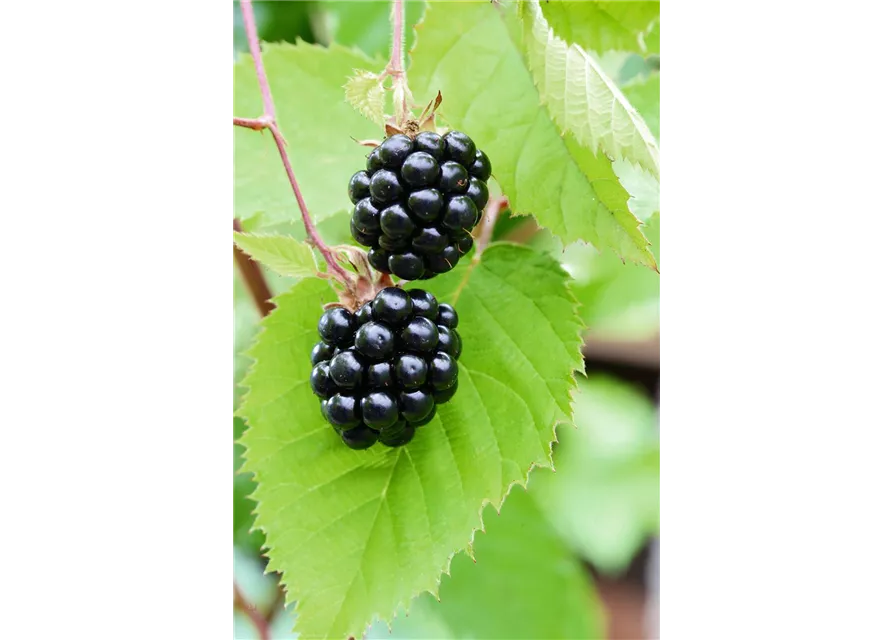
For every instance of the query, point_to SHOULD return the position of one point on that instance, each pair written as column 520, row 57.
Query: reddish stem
column 258, row 124
column 312, row 233
column 259, row 622
column 396, row 63
column 268, row 121
column 254, row 46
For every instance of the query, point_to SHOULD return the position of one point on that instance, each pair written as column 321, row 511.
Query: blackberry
column 346, row 369
column 417, row 202
column 479, row 194
column 416, row 405
column 464, row 245
column 322, row 351
column 407, row 265
column 385, row 187
column 430, row 240
column 445, row 260
column 420, row 170
column 397, row 438
column 460, row 147
column 396, row 223
column 425, row 205
column 337, row 326
column 358, row 187
column 359, row 438
column 460, row 215
column 453, row 178
column 381, row 372
column 411, row 371
column 392, row 245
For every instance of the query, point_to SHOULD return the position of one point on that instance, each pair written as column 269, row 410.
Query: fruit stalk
column 268, row 121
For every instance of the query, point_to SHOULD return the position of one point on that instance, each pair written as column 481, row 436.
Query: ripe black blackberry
column 417, row 202
column 382, row 370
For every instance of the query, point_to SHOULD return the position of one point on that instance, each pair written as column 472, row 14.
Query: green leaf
column 643, row 188
column 652, row 40
column 606, row 26
column 526, row 583
column 307, row 83
column 284, row 254
column 365, row 93
column 243, row 518
column 582, row 98
column 604, row 497
column 358, row 533
column 367, row 25
column 472, row 53
column 644, row 95
column 245, row 321
column 617, row 302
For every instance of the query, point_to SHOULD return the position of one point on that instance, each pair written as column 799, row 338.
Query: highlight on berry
column 381, row 372
column 417, row 202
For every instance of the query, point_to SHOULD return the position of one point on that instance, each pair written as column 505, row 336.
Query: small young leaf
column 358, row 533
column 582, row 98
column 473, row 52
column 606, row 26
column 283, row 254
column 365, row 93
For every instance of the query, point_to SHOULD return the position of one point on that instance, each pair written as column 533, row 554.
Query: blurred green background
column 586, row 529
